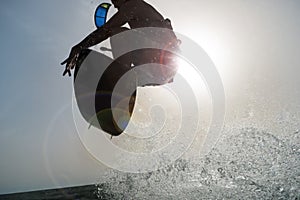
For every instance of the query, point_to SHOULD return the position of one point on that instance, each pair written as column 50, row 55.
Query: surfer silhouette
column 137, row 13
column 96, row 106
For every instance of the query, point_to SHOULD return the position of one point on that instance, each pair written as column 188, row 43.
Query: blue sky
column 255, row 44
column 35, row 38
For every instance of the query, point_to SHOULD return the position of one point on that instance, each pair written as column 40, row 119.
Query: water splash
column 251, row 164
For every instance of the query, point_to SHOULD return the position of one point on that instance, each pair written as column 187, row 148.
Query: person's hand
column 71, row 60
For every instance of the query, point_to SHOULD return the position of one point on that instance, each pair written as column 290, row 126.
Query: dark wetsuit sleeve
column 119, row 19
column 107, row 30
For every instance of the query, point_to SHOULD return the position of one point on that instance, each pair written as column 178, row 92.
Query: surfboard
column 96, row 76
column 95, row 100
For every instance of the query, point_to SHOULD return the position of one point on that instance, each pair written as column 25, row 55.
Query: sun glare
column 191, row 75
column 214, row 45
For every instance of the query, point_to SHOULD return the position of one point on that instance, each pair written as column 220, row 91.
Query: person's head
column 118, row 3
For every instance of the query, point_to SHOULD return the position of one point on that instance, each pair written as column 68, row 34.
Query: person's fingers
column 65, row 61
column 65, row 72
column 74, row 61
column 67, row 69
column 71, row 63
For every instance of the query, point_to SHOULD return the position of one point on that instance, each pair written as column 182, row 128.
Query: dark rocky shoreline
column 80, row 192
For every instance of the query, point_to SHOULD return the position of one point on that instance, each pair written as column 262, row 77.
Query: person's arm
column 104, row 32
column 96, row 37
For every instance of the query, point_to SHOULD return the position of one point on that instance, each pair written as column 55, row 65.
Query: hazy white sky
column 254, row 44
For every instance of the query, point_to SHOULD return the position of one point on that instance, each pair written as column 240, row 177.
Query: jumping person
column 137, row 13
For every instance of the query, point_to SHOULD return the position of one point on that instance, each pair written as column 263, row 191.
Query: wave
column 251, row 164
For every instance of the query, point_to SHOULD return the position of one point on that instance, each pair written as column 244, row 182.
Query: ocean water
column 250, row 164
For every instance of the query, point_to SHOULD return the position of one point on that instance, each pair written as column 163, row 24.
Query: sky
column 254, row 45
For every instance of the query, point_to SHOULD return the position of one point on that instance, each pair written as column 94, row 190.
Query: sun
column 188, row 72
column 216, row 47
column 192, row 76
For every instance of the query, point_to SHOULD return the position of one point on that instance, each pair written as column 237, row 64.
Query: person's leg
column 155, row 75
